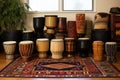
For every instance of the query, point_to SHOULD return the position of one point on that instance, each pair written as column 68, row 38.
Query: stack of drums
column 51, row 24
column 80, row 25
column 101, row 27
column 71, row 30
column 61, row 28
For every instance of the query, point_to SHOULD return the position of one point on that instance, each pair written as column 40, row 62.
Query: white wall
column 100, row 6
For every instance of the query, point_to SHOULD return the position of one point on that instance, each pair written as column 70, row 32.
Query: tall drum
column 98, row 49
column 26, row 49
column 71, row 29
column 42, row 47
column 83, row 47
column 70, row 46
column 57, row 48
column 38, row 25
column 80, row 24
column 111, row 49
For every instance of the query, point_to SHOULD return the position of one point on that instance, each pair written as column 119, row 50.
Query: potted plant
column 12, row 17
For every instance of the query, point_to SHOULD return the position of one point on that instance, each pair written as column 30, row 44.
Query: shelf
column 115, row 27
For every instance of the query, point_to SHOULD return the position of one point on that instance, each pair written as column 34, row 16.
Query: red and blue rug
column 63, row 68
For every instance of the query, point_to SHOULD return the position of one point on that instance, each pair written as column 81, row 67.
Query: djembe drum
column 42, row 47
column 98, row 49
column 101, row 21
column 80, row 25
column 51, row 24
column 57, row 48
column 9, row 48
column 26, row 49
column 71, row 29
column 83, row 47
column 28, row 35
column 70, row 46
column 62, row 25
column 111, row 49
column 50, row 21
column 38, row 25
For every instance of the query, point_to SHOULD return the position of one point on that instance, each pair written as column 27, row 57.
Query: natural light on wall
column 60, row 5
column 44, row 5
column 77, row 5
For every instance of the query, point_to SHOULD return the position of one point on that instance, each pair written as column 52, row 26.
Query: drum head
column 42, row 39
column 26, row 42
column 110, row 43
column 9, row 42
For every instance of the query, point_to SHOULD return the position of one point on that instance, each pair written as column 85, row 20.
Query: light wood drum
column 98, row 50
column 101, row 21
column 57, row 48
column 50, row 31
column 26, row 49
column 42, row 47
column 9, row 48
column 50, row 21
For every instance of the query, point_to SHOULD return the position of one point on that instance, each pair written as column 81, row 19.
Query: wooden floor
column 4, row 62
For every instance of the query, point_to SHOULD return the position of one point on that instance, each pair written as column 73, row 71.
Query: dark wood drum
column 26, row 49
column 70, row 46
column 111, row 49
column 83, row 47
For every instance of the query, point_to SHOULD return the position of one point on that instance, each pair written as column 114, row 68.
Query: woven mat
column 67, row 68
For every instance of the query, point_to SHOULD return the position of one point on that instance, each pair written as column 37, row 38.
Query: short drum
column 26, row 49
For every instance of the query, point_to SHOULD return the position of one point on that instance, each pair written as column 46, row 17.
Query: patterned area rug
column 67, row 68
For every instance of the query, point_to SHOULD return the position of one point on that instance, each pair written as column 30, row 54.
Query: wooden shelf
column 115, row 27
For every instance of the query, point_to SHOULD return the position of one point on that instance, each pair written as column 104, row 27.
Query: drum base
column 42, row 55
column 9, row 57
column 25, row 59
column 57, row 56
